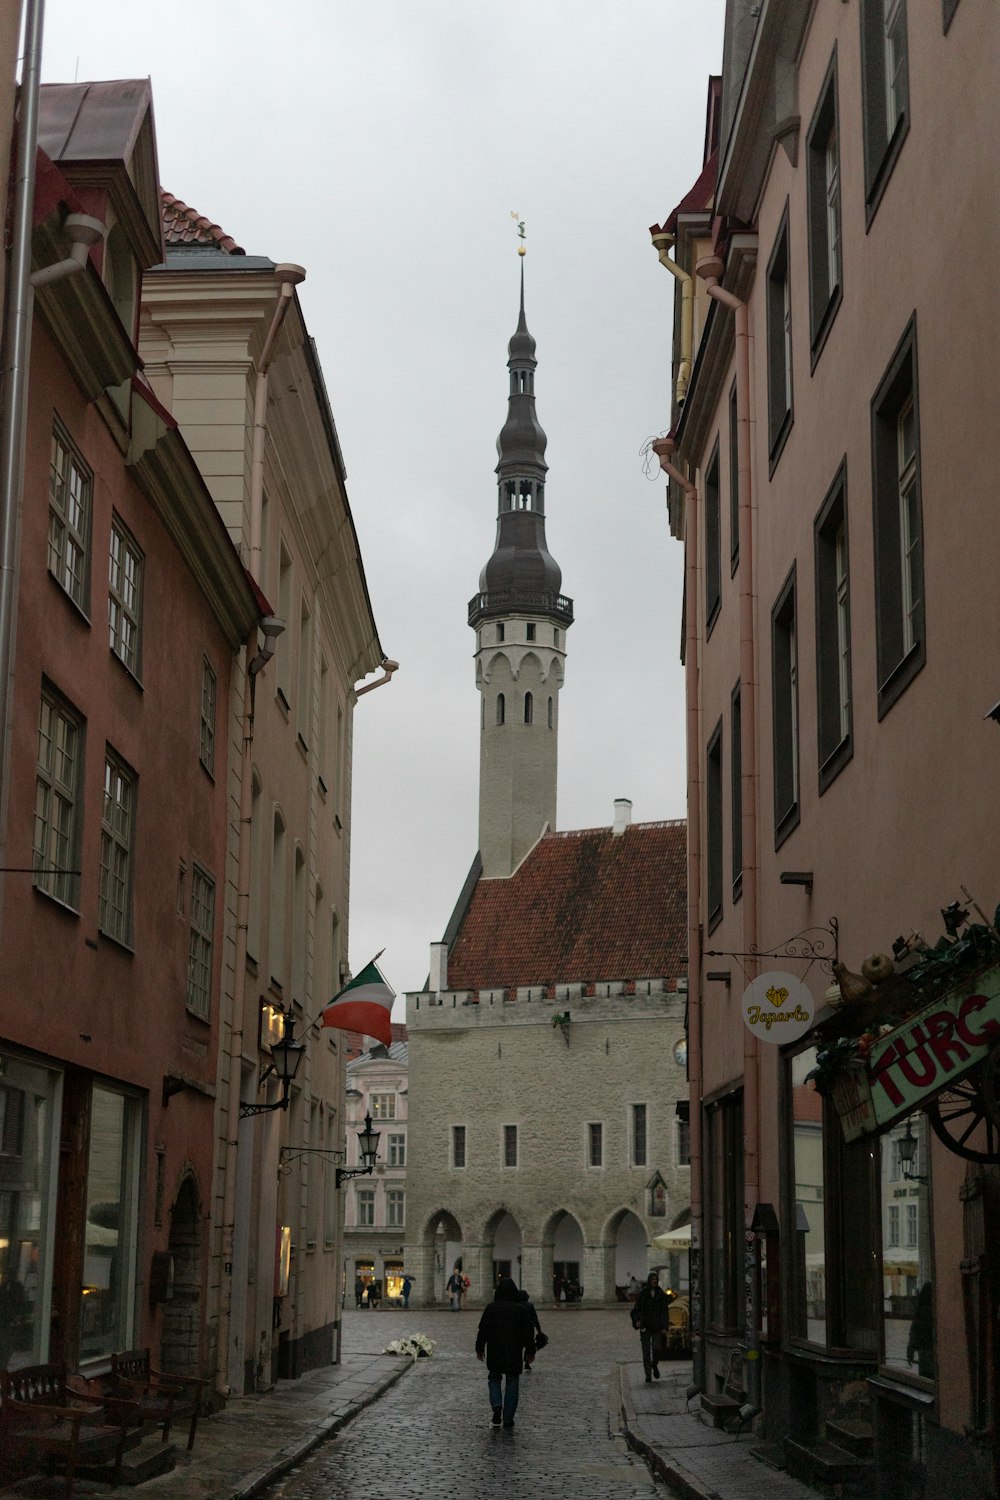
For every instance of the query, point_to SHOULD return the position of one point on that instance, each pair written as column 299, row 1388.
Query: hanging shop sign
column 777, row 1007
column 920, row 1059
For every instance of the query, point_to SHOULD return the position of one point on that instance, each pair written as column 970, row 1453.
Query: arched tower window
column 528, row 708
column 550, row 713
column 500, row 708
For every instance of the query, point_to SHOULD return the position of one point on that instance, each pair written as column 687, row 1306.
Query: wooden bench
column 159, row 1398
column 46, row 1424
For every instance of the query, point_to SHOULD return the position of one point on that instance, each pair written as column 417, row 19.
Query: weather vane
column 520, row 230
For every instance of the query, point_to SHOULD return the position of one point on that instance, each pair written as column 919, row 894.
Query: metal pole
column 14, row 385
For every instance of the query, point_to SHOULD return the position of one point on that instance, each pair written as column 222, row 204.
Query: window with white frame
column 885, row 92
column 897, row 518
column 823, row 219
column 200, row 942
column 382, row 1106
column 911, row 1226
column 397, row 1151
column 638, row 1135
column 395, row 1208
column 833, row 632
column 458, row 1145
column 58, row 773
column 125, row 568
column 209, row 693
column 70, row 497
column 366, row 1207
column 510, row 1145
column 785, row 712
column 117, row 835
column 893, row 1235
column 779, row 344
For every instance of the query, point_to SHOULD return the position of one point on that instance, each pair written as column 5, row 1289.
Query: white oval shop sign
column 777, row 1007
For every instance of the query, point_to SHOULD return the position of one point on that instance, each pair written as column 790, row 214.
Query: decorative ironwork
column 822, row 949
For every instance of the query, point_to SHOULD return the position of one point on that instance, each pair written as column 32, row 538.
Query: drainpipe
column 388, row 667
column 14, row 385
column 662, row 242
column 710, row 268
column 664, row 448
column 228, row 1361
column 82, row 231
column 290, row 276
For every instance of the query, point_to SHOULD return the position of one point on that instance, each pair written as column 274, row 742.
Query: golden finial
column 520, row 231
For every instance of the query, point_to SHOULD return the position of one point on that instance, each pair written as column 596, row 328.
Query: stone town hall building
column 547, row 1054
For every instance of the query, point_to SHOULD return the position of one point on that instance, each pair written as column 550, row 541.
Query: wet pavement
column 387, row 1427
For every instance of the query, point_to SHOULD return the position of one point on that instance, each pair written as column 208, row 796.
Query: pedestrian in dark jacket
column 506, row 1338
column 651, row 1315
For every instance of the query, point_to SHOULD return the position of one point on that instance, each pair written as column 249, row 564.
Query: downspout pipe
column 289, row 276
column 664, row 448
column 82, row 231
column 388, row 667
column 662, row 243
column 710, row 269
column 229, row 1361
column 15, row 383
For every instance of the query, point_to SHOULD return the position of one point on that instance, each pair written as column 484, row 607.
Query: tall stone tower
column 520, row 617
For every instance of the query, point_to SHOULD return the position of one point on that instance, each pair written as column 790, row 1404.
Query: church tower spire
column 520, row 617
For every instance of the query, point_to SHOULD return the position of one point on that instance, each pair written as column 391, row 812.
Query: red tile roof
column 186, row 226
column 584, row 906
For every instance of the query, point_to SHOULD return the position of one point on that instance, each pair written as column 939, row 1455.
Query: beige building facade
column 228, row 353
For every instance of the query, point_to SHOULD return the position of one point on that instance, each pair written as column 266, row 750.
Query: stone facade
column 485, row 1065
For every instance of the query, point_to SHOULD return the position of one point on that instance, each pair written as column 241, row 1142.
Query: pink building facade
column 132, row 605
column 831, row 466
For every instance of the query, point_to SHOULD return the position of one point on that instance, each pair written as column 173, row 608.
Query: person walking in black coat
column 506, row 1338
column 651, row 1315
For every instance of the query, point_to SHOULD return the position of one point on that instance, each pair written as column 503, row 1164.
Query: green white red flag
column 364, row 1005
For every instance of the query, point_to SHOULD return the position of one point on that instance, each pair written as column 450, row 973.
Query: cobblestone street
column 431, row 1434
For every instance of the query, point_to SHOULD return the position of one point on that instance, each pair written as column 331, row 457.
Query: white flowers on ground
column 418, row 1346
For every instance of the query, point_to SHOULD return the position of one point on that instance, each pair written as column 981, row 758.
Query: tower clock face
column 680, row 1053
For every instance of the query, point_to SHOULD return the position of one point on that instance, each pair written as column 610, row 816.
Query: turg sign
column 777, row 1008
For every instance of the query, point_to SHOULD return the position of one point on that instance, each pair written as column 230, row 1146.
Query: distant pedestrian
column 506, row 1338
column 651, row 1315
column 455, row 1288
column 407, row 1288
column 359, row 1292
column 374, row 1294
column 557, row 1288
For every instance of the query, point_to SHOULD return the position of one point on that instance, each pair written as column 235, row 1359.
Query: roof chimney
column 439, row 968
column 623, row 816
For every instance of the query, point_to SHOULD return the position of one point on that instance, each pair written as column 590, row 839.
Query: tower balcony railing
column 520, row 601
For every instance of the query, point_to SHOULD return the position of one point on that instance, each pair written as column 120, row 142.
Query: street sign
column 920, row 1059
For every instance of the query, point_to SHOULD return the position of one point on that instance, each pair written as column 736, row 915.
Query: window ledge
column 786, row 825
column 123, row 943
column 57, row 901
column 823, row 326
column 78, row 609
column 714, row 918
column 208, row 770
column 196, row 1015
column 885, row 169
column 132, row 676
column 780, row 439
column 900, row 677
column 835, row 763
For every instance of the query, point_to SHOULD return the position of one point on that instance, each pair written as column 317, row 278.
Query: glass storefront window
column 907, row 1306
column 808, row 1310
column 29, row 1098
column 107, row 1293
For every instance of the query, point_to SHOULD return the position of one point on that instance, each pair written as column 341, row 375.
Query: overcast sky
column 382, row 144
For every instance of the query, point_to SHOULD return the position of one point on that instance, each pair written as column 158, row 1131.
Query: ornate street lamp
column 286, row 1054
column 368, row 1140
